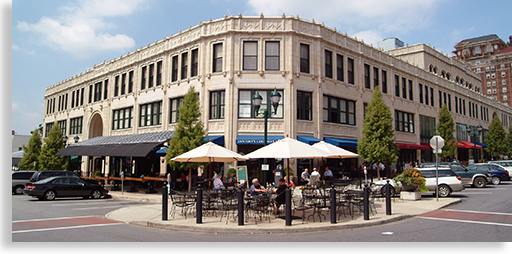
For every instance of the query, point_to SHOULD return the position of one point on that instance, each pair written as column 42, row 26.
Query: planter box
column 410, row 195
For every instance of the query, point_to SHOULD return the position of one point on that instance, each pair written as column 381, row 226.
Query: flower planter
column 407, row 187
column 410, row 195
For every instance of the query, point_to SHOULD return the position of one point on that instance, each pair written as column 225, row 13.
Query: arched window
column 431, row 68
column 448, row 76
column 443, row 74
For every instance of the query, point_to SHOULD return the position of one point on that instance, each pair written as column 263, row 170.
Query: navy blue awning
column 256, row 139
column 480, row 144
column 342, row 142
column 216, row 139
column 308, row 139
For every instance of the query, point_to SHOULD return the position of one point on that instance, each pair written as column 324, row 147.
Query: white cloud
column 369, row 37
column 81, row 28
column 385, row 16
column 23, row 50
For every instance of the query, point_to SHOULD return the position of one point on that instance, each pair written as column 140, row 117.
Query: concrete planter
column 410, row 195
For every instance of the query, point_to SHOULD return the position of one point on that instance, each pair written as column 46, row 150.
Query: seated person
column 217, row 183
column 280, row 198
column 305, row 175
column 328, row 176
column 289, row 183
column 256, row 188
column 315, row 177
column 231, row 179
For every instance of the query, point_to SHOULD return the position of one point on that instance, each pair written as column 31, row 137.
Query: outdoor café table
column 259, row 205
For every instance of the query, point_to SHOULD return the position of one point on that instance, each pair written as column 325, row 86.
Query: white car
column 448, row 180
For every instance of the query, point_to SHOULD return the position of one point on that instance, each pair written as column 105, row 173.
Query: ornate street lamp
column 472, row 133
column 257, row 99
column 76, row 138
column 65, row 140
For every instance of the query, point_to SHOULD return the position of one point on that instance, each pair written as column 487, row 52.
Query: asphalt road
column 484, row 215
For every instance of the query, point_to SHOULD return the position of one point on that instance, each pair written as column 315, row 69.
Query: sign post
column 437, row 142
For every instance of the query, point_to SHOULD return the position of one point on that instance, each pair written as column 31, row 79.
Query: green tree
column 445, row 128
column 52, row 144
column 31, row 152
column 378, row 142
column 496, row 138
column 188, row 134
column 509, row 140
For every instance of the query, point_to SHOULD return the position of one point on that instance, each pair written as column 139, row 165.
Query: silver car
column 449, row 182
column 19, row 179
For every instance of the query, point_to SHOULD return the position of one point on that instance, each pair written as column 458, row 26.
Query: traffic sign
column 436, row 142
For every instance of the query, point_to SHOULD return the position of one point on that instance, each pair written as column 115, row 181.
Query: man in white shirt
column 217, row 184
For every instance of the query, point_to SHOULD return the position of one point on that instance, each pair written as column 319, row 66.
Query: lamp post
column 65, row 140
column 76, row 138
column 472, row 133
column 257, row 99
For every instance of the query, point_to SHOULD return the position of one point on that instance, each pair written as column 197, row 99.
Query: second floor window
column 174, row 106
column 195, row 63
column 184, row 65
column 174, row 73
column 304, row 105
column 337, row 110
column 339, row 68
column 217, row 104
column 350, row 71
column 272, row 56
column 246, row 109
column 75, row 125
column 150, row 114
column 122, row 118
column 404, row 122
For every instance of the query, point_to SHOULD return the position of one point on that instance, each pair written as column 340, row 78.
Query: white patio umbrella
column 209, row 152
column 334, row 151
column 287, row 148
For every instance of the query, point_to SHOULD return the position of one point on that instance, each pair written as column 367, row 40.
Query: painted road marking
column 60, row 223
column 489, row 218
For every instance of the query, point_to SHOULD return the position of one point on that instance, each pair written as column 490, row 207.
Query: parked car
column 507, row 164
column 63, row 186
column 40, row 175
column 19, row 179
column 498, row 174
column 448, row 182
column 475, row 178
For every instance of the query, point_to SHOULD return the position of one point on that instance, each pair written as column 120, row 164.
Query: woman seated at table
column 217, row 183
column 280, row 198
column 256, row 188
column 289, row 183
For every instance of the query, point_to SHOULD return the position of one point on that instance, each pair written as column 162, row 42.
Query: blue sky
column 56, row 39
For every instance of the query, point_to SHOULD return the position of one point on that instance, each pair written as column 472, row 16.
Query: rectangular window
column 427, row 128
column 404, row 88
column 440, row 99
column 337, row 110
column 195, row 63
column 159, row 73
column 456, row 105
column 431, row 96
column 123, row 83
column 116, row 86
column 375, row 77
column 350, row 71
column 449, row 102
column 304, row 58
column 304, row 105
column 184, row 65
column 367, row 76
column 150, row 114
column 174, row 109
column 420, row 88
column 247, row 110
column 47, row 129
column 151, row 75
column 62, row 125
column 174, row 73
column 72, row 101
column 397, row 86
column 66, row 101
column 81, row 96
column 105, row 90
column 90, row 95
column 272, row 56
column 411, row 92
column 217, row 57
column 328, row 64
column 404, row 122
column 464, row 106
column 97, row 91
column 130, row 82
column 143, row 78
column 250, row 59
column 217, row 104
column 340, row 68
column 75, row 125
column 122, row 118
column 384, row 81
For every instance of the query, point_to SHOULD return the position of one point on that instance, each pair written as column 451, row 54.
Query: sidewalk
column 150, row 215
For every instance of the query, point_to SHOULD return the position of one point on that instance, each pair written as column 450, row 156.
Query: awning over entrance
column 342, row 142
column 467, row 145
column 256, row 139
column 484, row 145
column 132, row 145
column 308, row 139
column 216, row 139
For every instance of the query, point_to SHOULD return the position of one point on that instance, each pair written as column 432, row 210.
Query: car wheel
column 444, row 190
column 479, row 182
column 391, row 191
column 496, row 180
column 18, row 190
column 49, row 195
column 96, row 194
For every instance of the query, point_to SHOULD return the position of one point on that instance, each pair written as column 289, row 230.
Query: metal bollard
column 288, row 196
column 165, row 199
column 199, row 206
column 333, row 206
column 388, row 198
column 240, row 208
column 366, row 202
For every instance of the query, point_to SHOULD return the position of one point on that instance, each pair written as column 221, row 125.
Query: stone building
column 325, row 79
column 491, row 58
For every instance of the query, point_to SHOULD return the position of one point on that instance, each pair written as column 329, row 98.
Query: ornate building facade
column 325, row 79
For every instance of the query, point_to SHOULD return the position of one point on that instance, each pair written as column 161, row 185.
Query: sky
column 54, row 40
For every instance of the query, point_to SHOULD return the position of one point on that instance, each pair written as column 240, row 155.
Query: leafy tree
column 31, row 152
column 188, row 134
column 378, row 142
column 52, row 144
column 445, row 128
column 496, row 138
column 509, row 140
